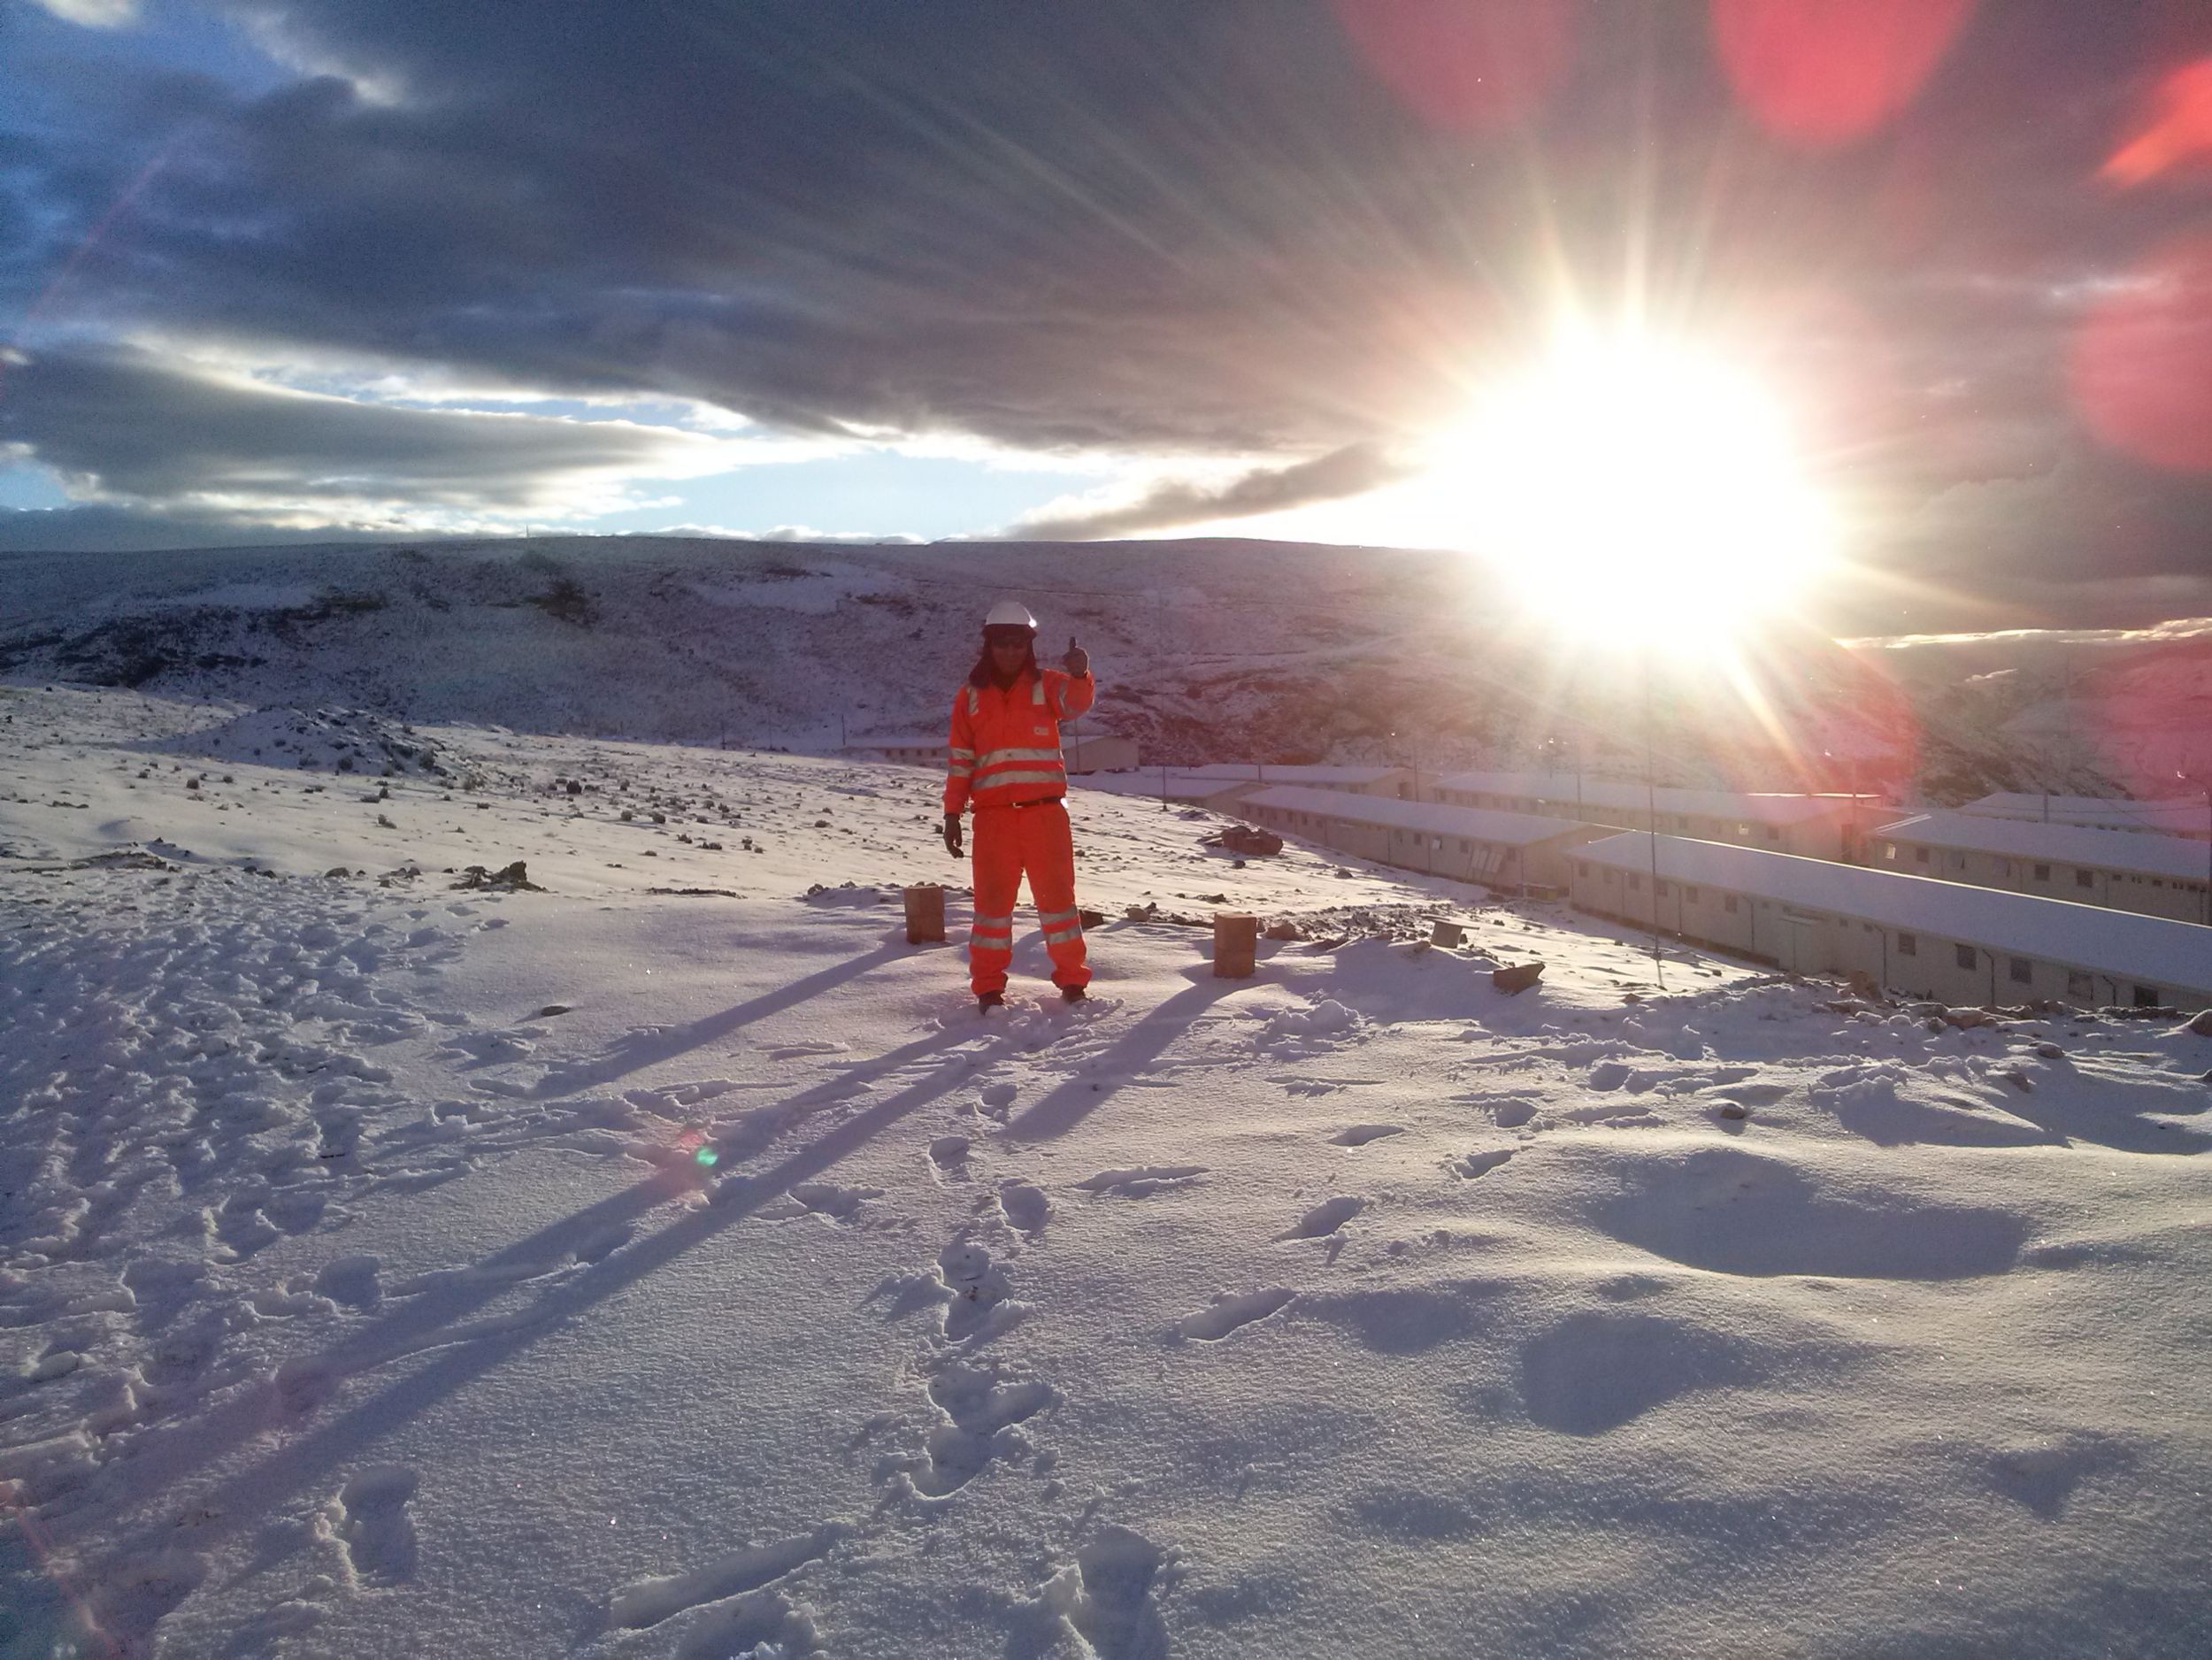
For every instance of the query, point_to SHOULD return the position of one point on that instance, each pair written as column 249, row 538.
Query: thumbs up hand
column 1077, row 661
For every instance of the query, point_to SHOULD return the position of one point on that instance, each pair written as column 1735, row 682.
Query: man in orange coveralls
column 1006, row 763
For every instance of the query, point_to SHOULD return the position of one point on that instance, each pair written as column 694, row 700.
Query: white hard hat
column 1010, row 613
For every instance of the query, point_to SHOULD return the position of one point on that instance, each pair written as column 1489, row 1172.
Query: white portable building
column 1909, row 933
column 2125, row 870
column 1501, row 849
column 1817, row 827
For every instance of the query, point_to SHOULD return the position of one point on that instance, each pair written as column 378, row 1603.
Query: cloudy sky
column 286, row 269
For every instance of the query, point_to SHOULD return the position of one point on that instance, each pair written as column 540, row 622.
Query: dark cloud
column 121, row 424
column 1351, row 470
column 103, row 529
column 1136, row 225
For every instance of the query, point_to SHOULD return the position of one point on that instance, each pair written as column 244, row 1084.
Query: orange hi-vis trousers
column 1011, row 843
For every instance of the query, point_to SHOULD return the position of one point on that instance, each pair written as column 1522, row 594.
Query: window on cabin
column 1612, row 877
column 1889, row 851
column 2023, row 971
column 1689, row 893
column 1909, row 945
column 1635, row 883
column 1728, row 903
column 2080, row 984
column 2146, row 997
column 2042, row 872
column 1965, row 956
column 2085, row 879
column 1774, row 833
column 1663, row 889
column 1920, row 856
column 1582, row 867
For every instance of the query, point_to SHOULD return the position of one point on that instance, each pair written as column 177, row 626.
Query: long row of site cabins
column 1968, row 907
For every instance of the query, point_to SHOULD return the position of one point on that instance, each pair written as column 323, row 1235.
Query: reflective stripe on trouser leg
column 997, row 868
column 1049, row 856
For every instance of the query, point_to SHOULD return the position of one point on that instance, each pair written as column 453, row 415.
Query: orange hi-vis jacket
column 1006, row 742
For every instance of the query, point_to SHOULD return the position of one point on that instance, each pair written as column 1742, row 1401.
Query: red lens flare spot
column 2177, row 133
column 1825, row 72
column 1466, row 65
column 2144, row 721
column 2141, row 365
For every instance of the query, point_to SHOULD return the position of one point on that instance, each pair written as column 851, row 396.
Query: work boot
column 1071, row 994
column 986, row 1000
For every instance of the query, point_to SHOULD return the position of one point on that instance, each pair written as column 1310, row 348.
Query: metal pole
column 1651, row 810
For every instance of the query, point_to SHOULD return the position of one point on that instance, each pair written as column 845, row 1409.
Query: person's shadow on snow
column 1075, row 1099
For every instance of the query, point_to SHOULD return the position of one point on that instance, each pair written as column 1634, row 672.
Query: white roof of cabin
column 1614, row 793
column 2117, row 943
column 2130, row 850
column 1473, row 824
column 2181, row 816
column 1245, row 771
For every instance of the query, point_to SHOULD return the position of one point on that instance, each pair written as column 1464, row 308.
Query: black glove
column 952, row 834
column 1077, row 661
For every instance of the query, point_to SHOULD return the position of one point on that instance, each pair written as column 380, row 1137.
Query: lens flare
column 2141, row 363
column 1826, row 72
column 2178, row 132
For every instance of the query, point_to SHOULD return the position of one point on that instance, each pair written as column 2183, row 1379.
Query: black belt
column 1048, row 800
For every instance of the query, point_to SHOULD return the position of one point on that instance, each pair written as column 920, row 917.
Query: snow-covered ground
column 666, row 1260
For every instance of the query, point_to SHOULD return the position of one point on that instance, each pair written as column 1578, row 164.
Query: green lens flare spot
column 706, row 1156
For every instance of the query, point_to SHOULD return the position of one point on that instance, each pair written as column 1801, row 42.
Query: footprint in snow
column 1479, row 1164
column 1142, row 1181
column 1105, row 1603
column 948, row 1157
column 369, row 1520
column 1325, row 1218
column 974, row 1292
column 1230, row 1312
column 1360, row 1135
column 819, row 1198
column 1026, row 1206
column 649, row 1601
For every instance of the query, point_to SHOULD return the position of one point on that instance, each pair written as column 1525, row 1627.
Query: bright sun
column 1631, row 490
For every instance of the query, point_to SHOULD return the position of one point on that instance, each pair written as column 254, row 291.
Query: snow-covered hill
column 1208, row 650
column 663, row 1259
